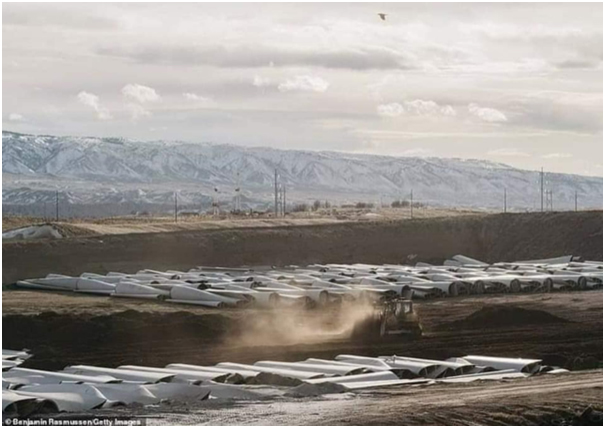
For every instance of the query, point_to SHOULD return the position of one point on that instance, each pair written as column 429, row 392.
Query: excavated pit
column 99, row 331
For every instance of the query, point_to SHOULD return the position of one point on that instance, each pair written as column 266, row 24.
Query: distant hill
column 110, row 170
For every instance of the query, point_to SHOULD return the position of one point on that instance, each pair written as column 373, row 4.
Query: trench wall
column 500, row 237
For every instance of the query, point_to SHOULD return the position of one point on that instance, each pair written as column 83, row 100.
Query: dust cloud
column 297, row 325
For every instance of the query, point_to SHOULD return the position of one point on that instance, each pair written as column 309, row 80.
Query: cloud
column 92, row 101
column 415, row 107
column 390, row 110
column 137, row 95
column 261, row 82
column 557, row 156
column 385, row 84
column 304, row 84
column 579, row 64
column 560, row 110
column 198, row 98
column 248, row 56
column 15, row 117
column 512, row 152
column 422, row 54
column 137, row 111
column 577, row 47
column 487, row 114
column 60, row 16
column 140, row 93
column 448, row 111
column 422, row 108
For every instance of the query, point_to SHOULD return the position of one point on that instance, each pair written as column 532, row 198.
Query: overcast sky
column 515, row 83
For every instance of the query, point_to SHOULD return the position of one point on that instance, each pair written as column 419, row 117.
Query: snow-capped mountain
column 121, row 170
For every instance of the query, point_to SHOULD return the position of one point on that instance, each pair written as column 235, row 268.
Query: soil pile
column 59, row 336
column 499, row 316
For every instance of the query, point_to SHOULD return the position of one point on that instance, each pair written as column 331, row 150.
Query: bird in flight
column 383, row 16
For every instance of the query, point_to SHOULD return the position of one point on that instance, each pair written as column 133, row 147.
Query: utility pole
column 176, row 208
column 280, row 199
column 238, row 202
column 276, row 195
column 505, row 200
column 284, row 199
column 542, row 190
column 576, row 200
column 57, row 205
column 412, row 203
column 215, row 205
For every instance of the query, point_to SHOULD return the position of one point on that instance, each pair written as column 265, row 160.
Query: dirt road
column 157, row 224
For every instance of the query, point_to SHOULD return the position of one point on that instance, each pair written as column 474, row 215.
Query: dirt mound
column 157, row 338
column 145, row 333
column 500, row 316
column 68, row 230
column 43, row 231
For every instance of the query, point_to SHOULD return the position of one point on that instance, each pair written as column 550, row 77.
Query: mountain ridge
column 110, row 161
column 343, row 154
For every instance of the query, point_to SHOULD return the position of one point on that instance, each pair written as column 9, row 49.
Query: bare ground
column 66, row 329
column 544, row 400
column 63, row 329
column 540, row 400
column 487, row 237
column 158, row 224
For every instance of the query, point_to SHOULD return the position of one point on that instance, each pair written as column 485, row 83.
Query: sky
column 520, row 84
